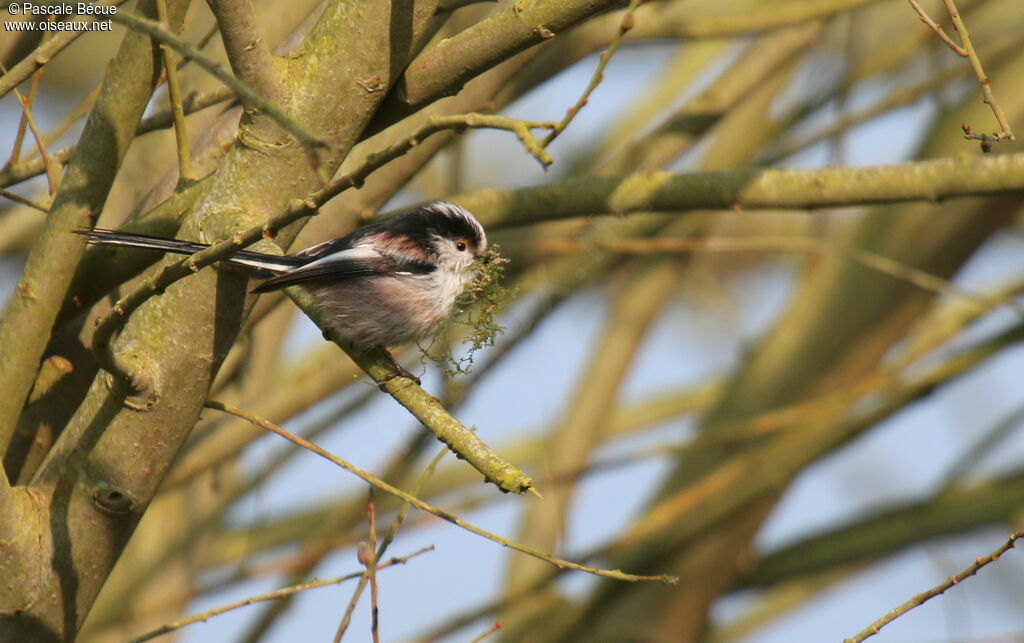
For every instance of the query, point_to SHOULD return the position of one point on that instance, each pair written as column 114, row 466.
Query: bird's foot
column 399, row 371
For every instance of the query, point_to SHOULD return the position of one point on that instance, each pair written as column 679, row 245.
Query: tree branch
column 28, row 318
column 966, row 50
column 202, row 617
column 174, row 96
column 926, row 19
column 245, row 93
column 389, row 537
column 986, row 86
column 17, row 198
column 24, row 170
column 248, row 54
column 749, row 189
column 445, row 67
column 924, row 597
column 888, row 531
column 170, row 273
column 624, row 26
column 45, row 52
column 52, row 169
column 423, row 406
column 431, row 509
column 809, row 244
column 106, row 465
column 755, row 18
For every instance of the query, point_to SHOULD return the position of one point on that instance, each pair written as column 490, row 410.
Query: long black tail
column 257, row 260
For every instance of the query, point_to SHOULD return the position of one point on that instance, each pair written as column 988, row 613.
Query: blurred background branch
column 765, row 336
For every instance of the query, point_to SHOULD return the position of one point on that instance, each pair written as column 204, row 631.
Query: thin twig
column 920, row 278
column 924, row 597
column 943, row 324
column 370, row 563
column 191, row 103
column 52, row 174
column 687, row 522
column 19, row 136
column 403, row 511
column 366, row 554
column 966, row 49
column 45, row 52
column 491, row 630
column 389, row 537
column 51, row 168
column 245, row 93
column 624, row 26
column 986, row 86
column 29, row 168
column 429, row 508
column 960, row 51
column 7, row 194
column 185, row 175
column 989, row 441
column 898, row 98
column 80, row 111
column 205, row 40
column 269, row 596
column 423, row 406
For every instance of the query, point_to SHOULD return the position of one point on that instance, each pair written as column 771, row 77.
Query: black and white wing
column 358, row 261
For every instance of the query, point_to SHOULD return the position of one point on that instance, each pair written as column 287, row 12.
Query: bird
column 381, row 286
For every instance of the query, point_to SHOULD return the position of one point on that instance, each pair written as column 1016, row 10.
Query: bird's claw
column 398, row 372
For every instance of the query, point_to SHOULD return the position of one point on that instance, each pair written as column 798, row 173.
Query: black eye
column 460, row 246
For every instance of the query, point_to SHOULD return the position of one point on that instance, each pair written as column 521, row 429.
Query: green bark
column 105, row 468
column 29, row 315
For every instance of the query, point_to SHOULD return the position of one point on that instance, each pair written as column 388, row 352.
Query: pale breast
column 391, row 310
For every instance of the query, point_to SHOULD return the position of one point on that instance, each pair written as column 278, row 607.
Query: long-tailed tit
column 382, row 285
